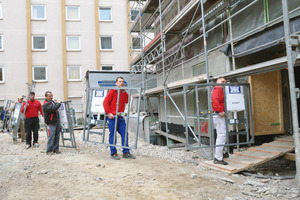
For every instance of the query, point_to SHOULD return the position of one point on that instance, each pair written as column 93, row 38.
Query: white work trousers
column 221, row 135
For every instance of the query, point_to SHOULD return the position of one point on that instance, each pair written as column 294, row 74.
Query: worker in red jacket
column 110, row 107
column 218, row 107
column 32, row 120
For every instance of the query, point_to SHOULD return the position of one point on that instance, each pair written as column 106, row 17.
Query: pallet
column 254, row 156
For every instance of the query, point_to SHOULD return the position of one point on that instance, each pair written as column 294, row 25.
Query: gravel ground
column 157, row 173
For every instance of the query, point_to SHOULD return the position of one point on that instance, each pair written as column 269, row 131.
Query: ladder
column 67, row 132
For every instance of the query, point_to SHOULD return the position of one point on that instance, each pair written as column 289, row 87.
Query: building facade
column 55, row 42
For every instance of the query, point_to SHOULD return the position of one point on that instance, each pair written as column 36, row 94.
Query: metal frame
column 69, row 129
column 103, row 132
column 6, row 126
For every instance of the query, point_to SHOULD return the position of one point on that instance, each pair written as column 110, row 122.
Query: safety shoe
column 57, row 152
column 27, row 146
column 49, row 153
column 128, row 155
column 226, row 155
column 115, row 156
column 222, row 162
column 36, row 145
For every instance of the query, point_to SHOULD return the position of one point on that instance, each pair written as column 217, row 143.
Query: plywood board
column 253, row 156
column 266, row 91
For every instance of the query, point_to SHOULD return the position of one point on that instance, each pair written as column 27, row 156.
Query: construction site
column 177, row 51
column 254, row 44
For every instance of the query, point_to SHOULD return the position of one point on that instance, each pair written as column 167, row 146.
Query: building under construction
column 186, row 44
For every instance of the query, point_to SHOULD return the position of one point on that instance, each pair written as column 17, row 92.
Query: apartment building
column 56, row 42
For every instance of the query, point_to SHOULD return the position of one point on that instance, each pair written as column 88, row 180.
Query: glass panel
column 0, row 10
column 39, row 73
column 74, row 73
column 107, row 68
column 38, row 12
column 1, row 47
column 134, row 13
column 105, row 14
column 106, row 43
column 72, row 12
column 136, row 43
column 73, row 43
column 1, row 74
column 76, row 104
column 39, row 42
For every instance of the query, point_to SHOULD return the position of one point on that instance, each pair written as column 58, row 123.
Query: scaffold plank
column 254, row 156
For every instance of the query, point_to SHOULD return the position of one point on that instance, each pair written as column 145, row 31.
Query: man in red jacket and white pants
column 32, row 120
column 217, row 96
column 110, row 107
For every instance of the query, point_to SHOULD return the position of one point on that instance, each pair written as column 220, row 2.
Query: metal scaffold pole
column 143, row 67
column 163, row 67
column 288, row 42
column 207, row 73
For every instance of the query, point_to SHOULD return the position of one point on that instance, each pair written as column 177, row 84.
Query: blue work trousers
column 53, row 137
column 121, row 128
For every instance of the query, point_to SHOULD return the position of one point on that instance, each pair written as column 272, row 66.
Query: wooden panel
column 290, row 156
column 254, row 156
column 266, row 94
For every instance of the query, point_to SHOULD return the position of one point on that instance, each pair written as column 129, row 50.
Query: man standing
column 32, row 120
column 51, row 117
column 217, row 96
column 110, row 107
column 21, row 124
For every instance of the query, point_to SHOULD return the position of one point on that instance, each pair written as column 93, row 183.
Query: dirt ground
column 88, row 172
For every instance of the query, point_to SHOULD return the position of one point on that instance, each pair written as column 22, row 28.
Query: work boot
column 115, row 156
column 222, row 162
column 226, row 155
column 128, row 155
column 57, row 152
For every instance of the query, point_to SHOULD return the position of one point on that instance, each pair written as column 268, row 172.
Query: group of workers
column 49, row 110
column 50, row 107
column 30, row 125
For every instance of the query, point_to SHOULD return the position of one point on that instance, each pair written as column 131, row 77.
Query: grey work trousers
column 53, row 137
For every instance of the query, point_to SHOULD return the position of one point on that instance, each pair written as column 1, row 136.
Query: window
column 1, row 17
column 76, row 103
column 105, row 14
column 106, row 43
column 73, row 43
column 38, row 12
column 136, row 42
column 73, row 13
column 1, row 74
column 39, row 73
column 38, row 42
column 133, row 14
column 107, row 67
column 1, row 43
column 74, row 73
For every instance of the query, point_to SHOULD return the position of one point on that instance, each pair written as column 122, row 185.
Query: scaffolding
column 189, row 35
